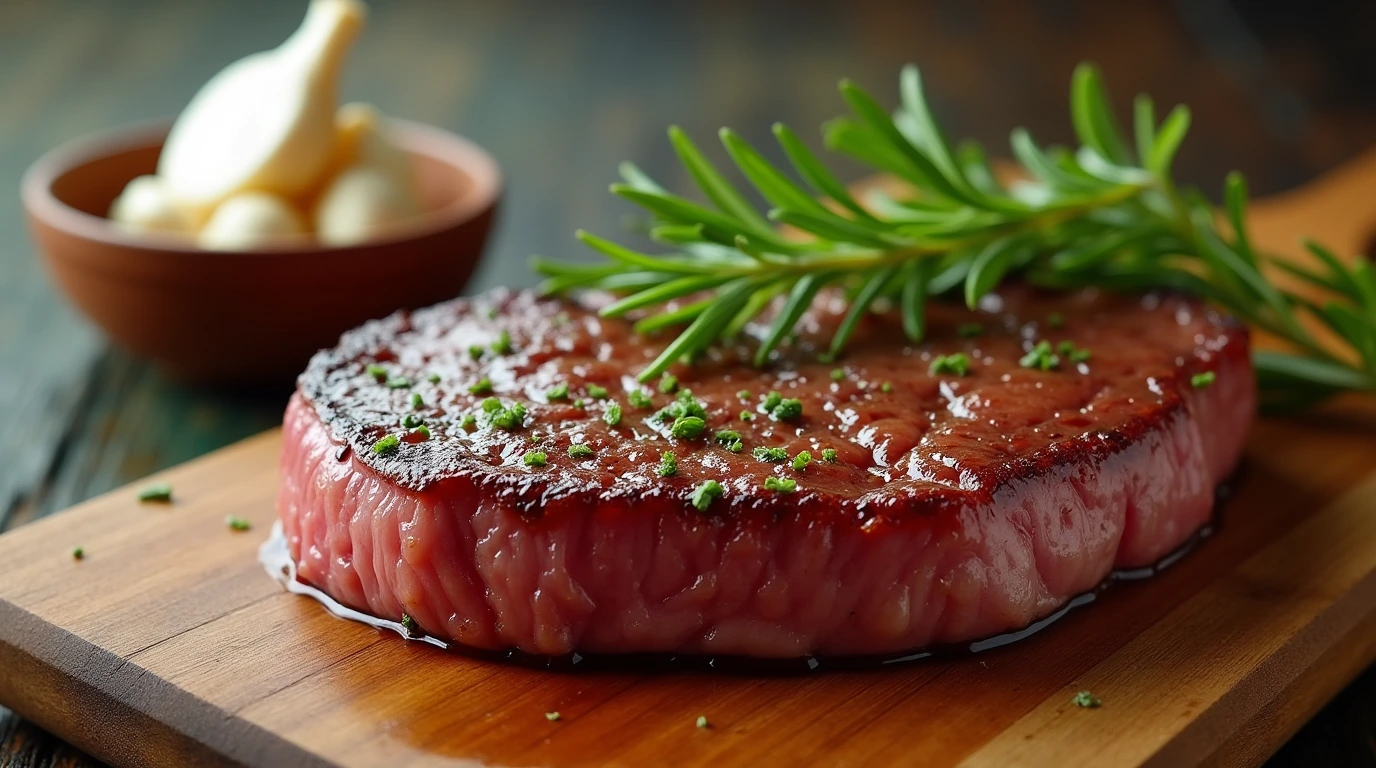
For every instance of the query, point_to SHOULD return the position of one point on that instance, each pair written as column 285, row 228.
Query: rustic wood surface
column 560, row 94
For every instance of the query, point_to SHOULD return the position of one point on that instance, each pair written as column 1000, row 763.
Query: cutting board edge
column 56, row 678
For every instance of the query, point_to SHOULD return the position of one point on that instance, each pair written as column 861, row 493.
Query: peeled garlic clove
column 145, row 205
column 361, row 204
column 250, row 220
column 266, row 122
column 364, row 140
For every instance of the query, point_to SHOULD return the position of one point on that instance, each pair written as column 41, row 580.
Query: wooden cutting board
column 168, row 644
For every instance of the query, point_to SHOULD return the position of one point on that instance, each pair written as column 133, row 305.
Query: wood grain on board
column 168, row 644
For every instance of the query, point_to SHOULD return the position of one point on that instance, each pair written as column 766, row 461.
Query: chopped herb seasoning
column 386, row 445
column 376, row 371
column 580, row 451
column 705, row 494
column 772, row 400
column 668, row 383
column 735, row 446
column 482, row 386
column 747, row 416
column 535, row 439
column 829, row 455
column 159, row 492
column 702, row 722
column 1202, row 380
column 1087, row 700
column 411, row 421
column 886, row 387
column 433, row 378
column 409, row 625
column 417, row 401
column 492, row 313
column 837, row 374
column 774, row 455
column 552, row 716
column 535, row 459
column 557, row 392
column 597, row 392
column 468, row 422
column 1055, row 320
column 78, row 553
column 638, row 398
column 613, row 415
column 509, row 418
column 801, row 461
column 398, row 382
column 1041, row 357
column 668, row 464
column 744, row 394
column 780, row 484
column 791, row 408
column 687, row 427
column 727, row 436
column 502, row 345
column 476, row 351
column 491, row 405
column 580, row 403
column 423, row 431
column 970, row 330
column 958, row 363
column 237, row 523
column 1067, row 349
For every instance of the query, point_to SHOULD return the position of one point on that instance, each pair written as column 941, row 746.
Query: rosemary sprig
column 1106, row 214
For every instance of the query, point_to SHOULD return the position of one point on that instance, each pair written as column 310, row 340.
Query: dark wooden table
column 560, row 94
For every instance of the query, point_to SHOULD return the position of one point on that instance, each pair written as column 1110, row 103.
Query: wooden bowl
column 239, row 316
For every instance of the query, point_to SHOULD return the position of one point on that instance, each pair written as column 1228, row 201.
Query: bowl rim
column 451, row 149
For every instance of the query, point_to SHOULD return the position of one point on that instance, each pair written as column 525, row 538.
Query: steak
column 946, row 499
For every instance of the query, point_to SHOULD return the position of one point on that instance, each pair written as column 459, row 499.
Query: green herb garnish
column 726, row 436
column 398, row 382
column 638, row 398
column 612, row 415
column 668, row 464
column 557, row 392
column 958, row 364
column 969, row 330
column 159, row 492
column 668, row 384
column 801, row 461
column 509, row 418
column 774, row 455
column 744, row 394
column 535, row 459
column 1041, row 357
column 687, row 427
column 236, row 523
column 838, row 374
column 886, row 387
column 1105, row 212
column 580, row 403
column 376, row 371
column 1202, row 380
column 417, row 402
column 502, row 345
column 597, row 392
column 482, row 386
column 746, row 416
column 78, row 553
column 706, row 493
column 1055, row 320
column 433, row 378
column 476, row 351
column 829, row 455
column 790, row 408
column 580, row 451
column 772, row 400
column 1070, row 352
column 386, row 445
column 1087, row 700
column 468, row 422
column 422, row 431
column 780, row 484
column 411, row 421
column 409, row 625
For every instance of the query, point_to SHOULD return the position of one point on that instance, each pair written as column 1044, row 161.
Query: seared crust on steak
column 907, row 441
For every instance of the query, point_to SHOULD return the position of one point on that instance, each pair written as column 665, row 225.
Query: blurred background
column 559, row 93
